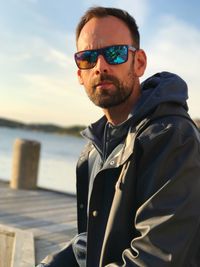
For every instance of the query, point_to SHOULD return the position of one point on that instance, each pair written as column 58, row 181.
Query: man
column 138, row 179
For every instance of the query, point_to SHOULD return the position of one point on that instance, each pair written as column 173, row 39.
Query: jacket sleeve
column 168, row 189
column 65, row 257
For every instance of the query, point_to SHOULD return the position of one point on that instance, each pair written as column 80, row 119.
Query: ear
column 140, row 62
column 80, row 79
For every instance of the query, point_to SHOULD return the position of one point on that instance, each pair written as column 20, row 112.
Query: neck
column 118, row 114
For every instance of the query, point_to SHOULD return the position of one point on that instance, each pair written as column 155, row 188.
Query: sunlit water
column 58, row 157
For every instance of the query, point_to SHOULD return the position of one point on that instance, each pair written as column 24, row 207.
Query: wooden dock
column 50, row 216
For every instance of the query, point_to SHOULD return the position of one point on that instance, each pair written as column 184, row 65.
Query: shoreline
column 43, row 127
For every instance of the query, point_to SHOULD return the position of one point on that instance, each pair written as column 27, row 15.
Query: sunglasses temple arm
column 132, row 48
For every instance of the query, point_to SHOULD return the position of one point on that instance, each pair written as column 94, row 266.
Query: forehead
column 100, row 32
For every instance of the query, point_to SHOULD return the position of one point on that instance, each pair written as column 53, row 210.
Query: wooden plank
column 17, row 248
column 23, row 250
column 54, row 228
column 51, row 216
column 6, row 247
column 28, row 221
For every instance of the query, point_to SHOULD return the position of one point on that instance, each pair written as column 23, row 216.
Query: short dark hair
column 100, row 12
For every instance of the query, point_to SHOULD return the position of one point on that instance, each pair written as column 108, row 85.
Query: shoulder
column 168, row 128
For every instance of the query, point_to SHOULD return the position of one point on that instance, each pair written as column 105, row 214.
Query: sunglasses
column 113, row 55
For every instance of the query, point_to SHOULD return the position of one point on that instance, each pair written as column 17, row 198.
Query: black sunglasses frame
column 102, row 51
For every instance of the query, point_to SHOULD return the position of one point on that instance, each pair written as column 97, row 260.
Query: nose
column 101, row 65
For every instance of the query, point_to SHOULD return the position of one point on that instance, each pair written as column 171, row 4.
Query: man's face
column 107, row 85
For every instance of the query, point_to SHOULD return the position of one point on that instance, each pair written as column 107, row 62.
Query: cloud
column 177, row 43
column 139, row 9
column 35, row 55
column 175, row 48
column 56, row 57
column 45, row 98
column 32, row 1
column 57, row 98
column 44, row 85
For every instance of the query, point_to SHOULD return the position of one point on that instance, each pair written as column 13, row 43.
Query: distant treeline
column 50, row 128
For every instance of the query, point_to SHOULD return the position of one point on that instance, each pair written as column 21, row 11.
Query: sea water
column 58, row 157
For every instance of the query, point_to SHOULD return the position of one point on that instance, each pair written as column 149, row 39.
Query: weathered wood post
column 16, row 247
column 25, row 164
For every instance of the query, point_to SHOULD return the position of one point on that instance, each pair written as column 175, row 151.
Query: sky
column 38, row 81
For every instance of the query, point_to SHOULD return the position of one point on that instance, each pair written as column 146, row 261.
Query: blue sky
column 38, row 80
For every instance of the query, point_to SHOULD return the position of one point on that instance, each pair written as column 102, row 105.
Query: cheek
column 85, row 78
column 87, row 82
column 128, row 73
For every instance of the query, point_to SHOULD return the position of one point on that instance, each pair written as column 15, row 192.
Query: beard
column 107, row 98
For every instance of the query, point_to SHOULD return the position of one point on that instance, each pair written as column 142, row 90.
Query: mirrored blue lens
column 116, row 54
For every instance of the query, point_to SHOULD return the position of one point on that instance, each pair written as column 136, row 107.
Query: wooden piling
column 25, row 164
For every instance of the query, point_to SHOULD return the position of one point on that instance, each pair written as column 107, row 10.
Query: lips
column 104, row 83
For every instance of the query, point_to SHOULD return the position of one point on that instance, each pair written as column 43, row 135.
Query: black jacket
column 154, row 216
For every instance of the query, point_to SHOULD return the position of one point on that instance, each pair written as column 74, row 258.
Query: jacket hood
column 163, row 87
